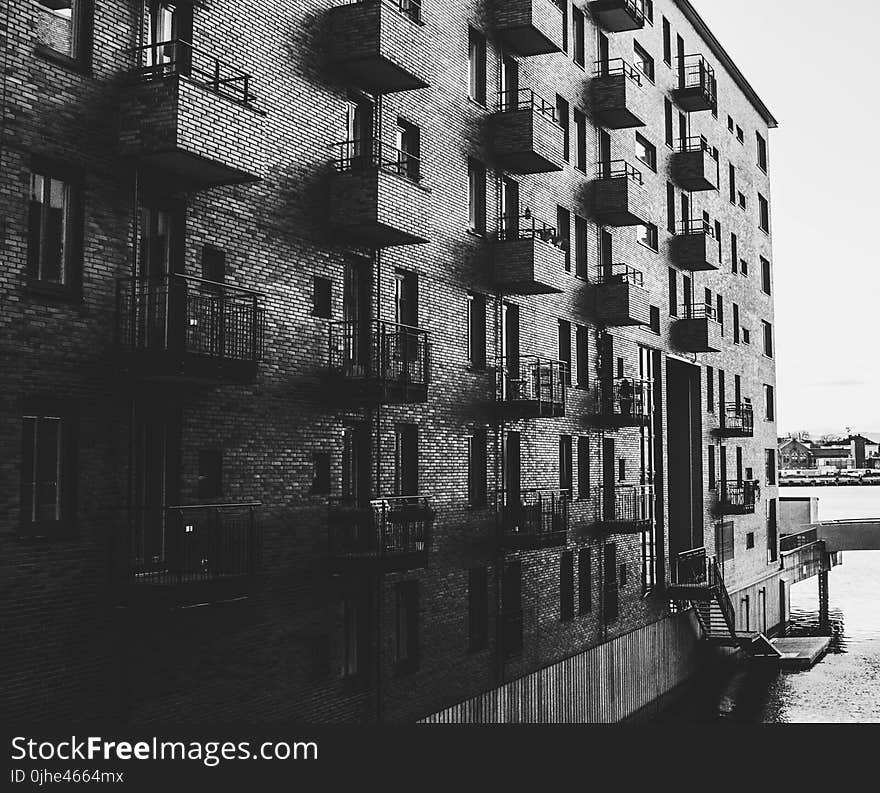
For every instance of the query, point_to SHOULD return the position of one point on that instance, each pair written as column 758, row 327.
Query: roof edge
column 739, row 78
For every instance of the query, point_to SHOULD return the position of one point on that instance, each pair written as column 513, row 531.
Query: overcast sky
column 825, row 183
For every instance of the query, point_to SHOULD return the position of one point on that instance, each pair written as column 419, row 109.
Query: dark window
column 621, row 469
column 765, row 276
column 478, row 608
column 649, row 11
column 476, row 331
column 731, row 181
column 511, row 609
column 214, row 264
column 476, row 451
column 581, row 238
column 772, row 532
column 409, row 150
column 476, row 196
column 580, row 127
column 670, row 207
column 750, row 540
column 563, row 233
column 566, row 586
column 724, row 547
column 655, row 320
column 768, row 338
column 667, row 42
column 647, row 235
column 406, row 460
column 582, row 341
column 578, row 20
column 734, row 252
column 710, row 389
column 719, row 312
column 477, row 66
column 320, row 472
column 770, row 466
column 622, row 575
column 583, row 452
column 735, row 323
column 744, row 267
column 670, row 130
column 643, row 62
column 563, row 9
column 717, row 233
column 764, row 213
column 565, row 347
column 730, row 124
column 741, row 200
column 762, row 152
column 646, row 152
column 406, row 626
column 562, row 116
column 769, row 403
column 355, row 635
column 406, row 299
column 740, row 135
column 321, row 297
column 63, row 28
column 673, row 292
column 210, row 483
column 565, row 468
column 712, row 479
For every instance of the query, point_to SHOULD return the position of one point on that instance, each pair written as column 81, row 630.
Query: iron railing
column 692, row 568
column 738, row 417
column 695, row 143
column 192, row 543
column 409, row 8
column 695, row 226
column 527, row 227
column 388, row 526
column 532, row 379
column 698, row 311
column 632, row 505
column 189, row 315
column 372, row 154
column 607, row 68
column 625, row 397
column 526, row 99
column 164, row 59
column 620, row 274
column 739, row 497
column 694, row 71
column 378, row 350
column 533, row 513
column 618, row 169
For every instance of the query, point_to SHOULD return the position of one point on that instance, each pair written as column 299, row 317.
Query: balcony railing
column 695, row 143
column 178, row 57
column 738, row 419
column 695, row 226
column 698, row 311
column 625, row 509
column 409, row 8
column 694, row 568
column 619, row 15
column 532, row 386
column 526, row 99
column 364, row 155
column 607, row 68
column 791, row 542
column 534, row 518
column 621, row 274
column 696, row 83
column 625, row 401
column 527, row 227
column 619, row 169
column 393, row 358
column 738, row 498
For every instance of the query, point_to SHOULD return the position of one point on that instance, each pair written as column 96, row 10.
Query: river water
column 845, row 685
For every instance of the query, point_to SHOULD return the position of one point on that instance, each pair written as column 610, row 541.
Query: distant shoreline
column 829, row 484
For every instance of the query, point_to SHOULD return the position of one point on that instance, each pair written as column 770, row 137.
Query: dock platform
column 801, row 652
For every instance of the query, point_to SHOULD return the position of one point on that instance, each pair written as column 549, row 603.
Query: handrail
column 625, row 396
column 409, row 8
column 695, row 226
column 212, row 505
column 532, row 379
column 525, row 99
column 534, row 511
column 359, row 155
column 615, row 66
column 743, row 494
column 693, row 143
column 738, row 415
column 791, row 542
column 383, row 526
column 694, row 71
column 625, row 503
column 698, row 311
column 620, row 273
column 512, row 227
column 723, row 597
column 618, row 169
column 214, row 285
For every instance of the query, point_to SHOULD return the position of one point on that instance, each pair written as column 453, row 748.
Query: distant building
column 853, row 451
column 794, row 453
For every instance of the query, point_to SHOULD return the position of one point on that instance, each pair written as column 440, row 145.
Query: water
column 845, row 685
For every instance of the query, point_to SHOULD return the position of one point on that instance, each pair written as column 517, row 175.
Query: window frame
column 82, row 24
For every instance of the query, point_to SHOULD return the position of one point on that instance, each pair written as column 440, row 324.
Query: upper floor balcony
column 529, row 27
column 526, row 135
column 531, row 387
column 618, row 100
column 621, row 298
column 623, row 402
column 693, row 166
column 694, row 246
column 738, row 498
column 528, row 256
column 697, row 87
column 385, row 535
column 381, row 46
column 737, row 420
column 185, row 329
column 179, row 555
column 379, row 362
column 698, row 329
column 619, row 195
column 532, row 519
column 619, row 16
column 190, row 118
column 623, row 509
column 376, row 195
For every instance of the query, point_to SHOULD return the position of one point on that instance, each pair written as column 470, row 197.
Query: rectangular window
column 731, row 181
column 772, row 532
column 582, row 340
column 673, row 292
column 710, row 389
column 214, row 266
column 581, row 239
column 768, row 338
column 670, row 129
column 477, row 66
column 562, row 114
column 409, row 150
column 476, row 196
column 355, row 635
column 744, row 267
column 712, row 480
column 511, row 609
column 746, row 336
column 734, row 253
column 406, row 625
column 643, row 62
column 476, row 331
column 406, row 460
column 578, row 25
column 762, row 152
column 647, row 235
column 62, row 27
column 583, row 451
column 646, row 152
column 769, row 403
column 670, row 207
column 649, row 11
column 321, row 300
column 210, row 481
column 750, row 540
column 563, row 234
column 724, row 547
column 765, row 276
column 476, row 471
column 580, row 128
column 320, row 472
column 565, row 347
column 740, row 135
column 730, row 124
column 565, row 467
column 585, row 581
column 741, row 200
column 566, row 586
column 735, row 323
column 770, row 466
column 764, row 213
column 719, row 312
column 655, row 320
column 563, row 9
column 478, row 608
column 667, row 42
column 621, row 469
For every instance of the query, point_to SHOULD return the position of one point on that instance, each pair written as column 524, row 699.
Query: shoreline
column 828, row 484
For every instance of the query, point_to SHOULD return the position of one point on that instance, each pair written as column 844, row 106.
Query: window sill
column 653, row 250
column 59, row 58
column 477, row 103
column 478, row 234
column 42, row 290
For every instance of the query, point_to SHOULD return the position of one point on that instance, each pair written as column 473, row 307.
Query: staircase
column 699, row 584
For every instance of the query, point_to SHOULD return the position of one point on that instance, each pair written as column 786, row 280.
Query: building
column 377, row 360
column 846, row 452
column 796, row 453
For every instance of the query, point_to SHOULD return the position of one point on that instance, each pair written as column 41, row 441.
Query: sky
column 824, row 202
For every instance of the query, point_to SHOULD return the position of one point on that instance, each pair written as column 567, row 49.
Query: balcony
column 737, row 420
column 526, row 136
column 529, row 27
column 693, row 166
column 694, row 246
column 185, row 329
column 618, row 16
column 376, row 196
column 698, row 330
column 190, row 118
column 379, row 362
column 386, row 535
column 531, row 387
column 533, row 519
column 182, row 555
column 619, row 195
column 381, row 46
column 528, row 257
column 738, row 498
column 621, row 299
column 697, row 89
column 623, row 402
column 623, row 509
column 618, row 100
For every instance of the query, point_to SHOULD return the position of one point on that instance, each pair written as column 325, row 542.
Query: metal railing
column 372, row 154
column 620, row 274
column 391, row 353
column 615, row 66
column 178, row 57
column 533, row 512
column 192, row 543
column 695, row 226
column 625, row 397
column 692, row 568
column 698, row 311
column 628, row 504
column 189, row 315
column 409, row 8
column 791, row 542
column 738, row 417
column 695, row 143
column 739, row 497
column 527, row 227
column 694, row 71
column 532, row 379
column 526, row 99
column 618, row 169
column 388, row 526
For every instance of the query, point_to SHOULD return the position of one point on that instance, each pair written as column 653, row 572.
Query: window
column 744, row 267
column 724, row 547
column 585, row 594
column 772, row 533
column 713, row 483
column 476, row 196
column 477, row 66
column 649, row 11
column 566, row 586
column 563, row 234
column 717, row 232
column 621, row 469
column 409, row 150
column 670, row 129
column 476, row 471
column 731, row 180
column 581, row 240
column 646, row 152
column 670, row 207
column 583, row 467
column 578, row 25
column 762, row 152
column 769, row 403
column 565, row 348
column 320, row 472
column 667, row 42
column 406, row 460
column 734, row 252
column 563, row 9
column 62, row 28
column 643, row 62
column 476, row 331
column 673, row 292
column 741, row 200
column 746, row 335
column 750, row 540
column 710, row 389
column 768, row 338
column 735, row 323
column 655, row 320
column 740, row 135
column 355, row 635
column 48, row 467
column 511, row 609
column 562, row 118
column 770, row 466
column 719, row 312
column 214, row 264
column 647, row 235
column 622, row 575
column 582, row 341
column 764, row 213
column 478, row 608
column 321, row 303
column 406, row 626
column 210, row 481
column 765, row 276
column 730, row 124
column 565, row 468
column 580, row 128
column 54, row 228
